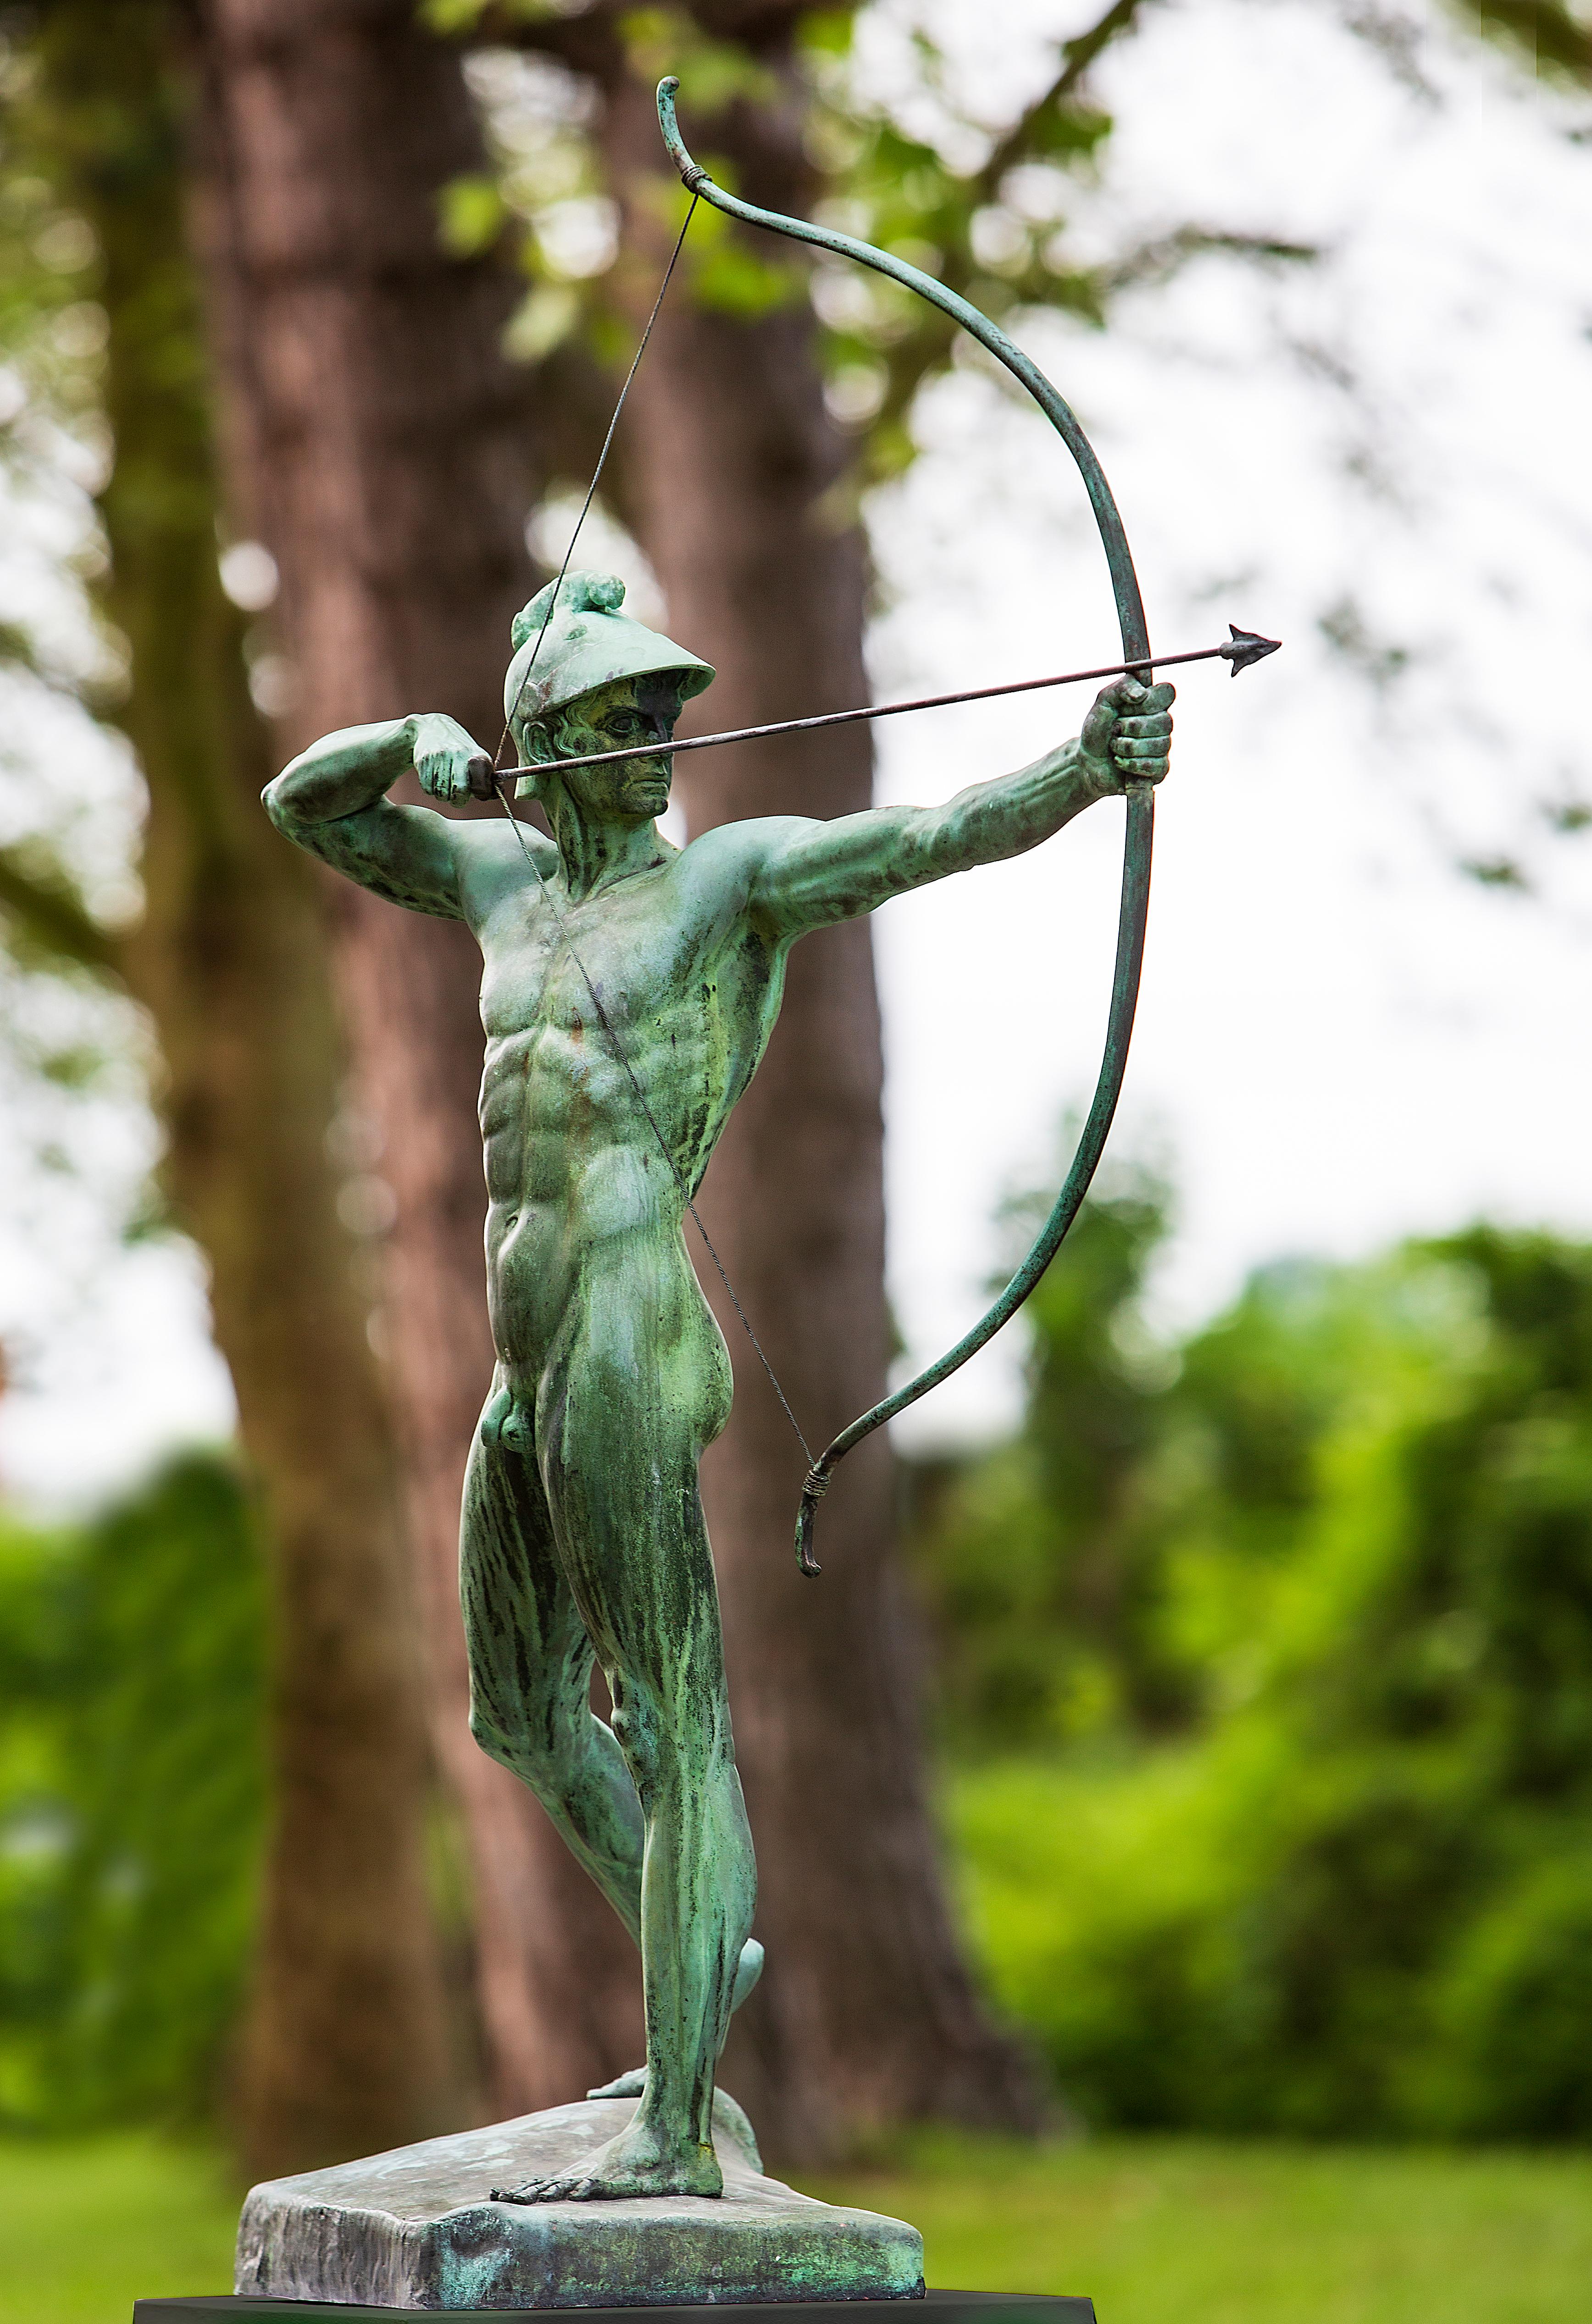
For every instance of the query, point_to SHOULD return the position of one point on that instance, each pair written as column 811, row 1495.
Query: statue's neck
column 597, row 853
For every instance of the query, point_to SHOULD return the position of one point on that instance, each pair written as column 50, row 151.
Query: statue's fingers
column 1141, row 746
column 1141, row 730
column 1159, row 698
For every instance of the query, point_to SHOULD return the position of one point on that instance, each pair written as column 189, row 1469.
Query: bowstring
column 596, row 480
column 615, row 1043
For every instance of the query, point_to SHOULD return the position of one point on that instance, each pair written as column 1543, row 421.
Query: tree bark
column 867, row 2015
column 347, row 2048
column 379, row 445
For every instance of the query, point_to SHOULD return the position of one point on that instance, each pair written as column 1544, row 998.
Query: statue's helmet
column 589, row 644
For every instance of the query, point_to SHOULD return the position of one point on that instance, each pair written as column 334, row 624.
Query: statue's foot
column 635, row 2162
column 748, row 1969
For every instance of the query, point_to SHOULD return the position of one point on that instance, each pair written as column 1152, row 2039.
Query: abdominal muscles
column 573, row 1186
column 578, row 1182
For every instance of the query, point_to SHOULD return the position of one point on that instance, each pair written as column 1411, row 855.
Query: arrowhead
column 1246, row 647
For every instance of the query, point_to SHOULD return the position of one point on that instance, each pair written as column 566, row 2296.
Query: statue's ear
column 531, row 741
column 542, row 740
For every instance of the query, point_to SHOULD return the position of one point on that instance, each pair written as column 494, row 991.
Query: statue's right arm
column 332, row 799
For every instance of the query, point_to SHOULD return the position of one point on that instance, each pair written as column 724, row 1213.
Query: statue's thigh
column 619, row 1439
column 528, row 1645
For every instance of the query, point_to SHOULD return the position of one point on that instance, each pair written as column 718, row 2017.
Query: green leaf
column 472, row 214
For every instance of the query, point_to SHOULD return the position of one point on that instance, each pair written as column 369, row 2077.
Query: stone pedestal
column 415, row 2229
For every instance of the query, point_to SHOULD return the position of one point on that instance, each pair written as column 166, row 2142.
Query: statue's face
column 630, row 711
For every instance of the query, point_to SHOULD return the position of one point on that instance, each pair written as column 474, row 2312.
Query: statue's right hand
column 442, row 751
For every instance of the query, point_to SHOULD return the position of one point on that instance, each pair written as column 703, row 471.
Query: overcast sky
column 1342, row 1038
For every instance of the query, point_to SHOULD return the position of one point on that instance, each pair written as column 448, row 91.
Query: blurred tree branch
column 48, row 916
column 1557, row 41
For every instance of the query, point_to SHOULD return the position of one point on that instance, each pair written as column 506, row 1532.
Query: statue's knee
column 638, row 1732
column 666, row 1744
column 546, row 1755
column 487, row 1732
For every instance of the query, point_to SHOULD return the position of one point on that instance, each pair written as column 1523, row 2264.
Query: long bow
column 1141, row 797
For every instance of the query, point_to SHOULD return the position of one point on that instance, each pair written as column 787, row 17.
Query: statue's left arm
column 818, row 872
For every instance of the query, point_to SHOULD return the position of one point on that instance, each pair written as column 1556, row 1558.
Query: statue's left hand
column 442, row 753
column 1128, row 736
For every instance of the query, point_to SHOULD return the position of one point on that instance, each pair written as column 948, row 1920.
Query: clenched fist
column 1128, row 736
column 444, row 758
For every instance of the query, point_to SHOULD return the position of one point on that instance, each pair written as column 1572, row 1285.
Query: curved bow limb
column 1130, row 611
column 1141, row 806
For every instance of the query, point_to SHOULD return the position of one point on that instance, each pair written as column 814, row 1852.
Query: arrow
column 1244, row 647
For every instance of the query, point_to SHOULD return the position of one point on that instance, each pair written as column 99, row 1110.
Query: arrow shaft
column 872, row 710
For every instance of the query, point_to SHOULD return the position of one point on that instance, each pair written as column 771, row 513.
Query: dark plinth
column 949, row 2307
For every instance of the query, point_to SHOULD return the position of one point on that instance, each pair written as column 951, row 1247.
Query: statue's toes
column 632, row 2085
column 535, row 2191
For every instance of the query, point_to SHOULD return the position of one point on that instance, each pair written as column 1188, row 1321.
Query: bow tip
column 814, row 1485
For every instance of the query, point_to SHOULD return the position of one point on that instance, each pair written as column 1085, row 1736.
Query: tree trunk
column 379, row 446
column 866, row 2015
column 347, row 2047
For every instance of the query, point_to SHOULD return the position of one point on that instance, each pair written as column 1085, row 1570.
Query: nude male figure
column 583, row 1533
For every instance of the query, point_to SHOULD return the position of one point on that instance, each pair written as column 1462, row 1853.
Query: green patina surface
column 629, row 990
column 408, row 2230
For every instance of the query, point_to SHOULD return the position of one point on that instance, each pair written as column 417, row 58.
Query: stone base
column 947, row 2307
column 415, row 2229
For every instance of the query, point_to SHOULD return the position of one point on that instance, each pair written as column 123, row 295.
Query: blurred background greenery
column 1258, row 1654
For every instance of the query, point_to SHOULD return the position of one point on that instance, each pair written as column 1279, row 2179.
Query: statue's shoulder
column 493, row 862
column 738, row 851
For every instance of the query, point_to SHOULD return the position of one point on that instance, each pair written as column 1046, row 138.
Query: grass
column 1196, row 2231
column 1160, row 2231
column 89, row 2225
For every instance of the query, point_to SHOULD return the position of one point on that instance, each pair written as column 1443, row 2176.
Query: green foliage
column 1050, row 1637
column 659, row 40
column 982, row 205
column 473, row 214
column 1308, row 1850
column 1554, row 40
column 52, row 342
column 132, row 1658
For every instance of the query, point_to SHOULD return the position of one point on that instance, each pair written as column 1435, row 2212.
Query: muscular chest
column 544, row 955
column 641, row 986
